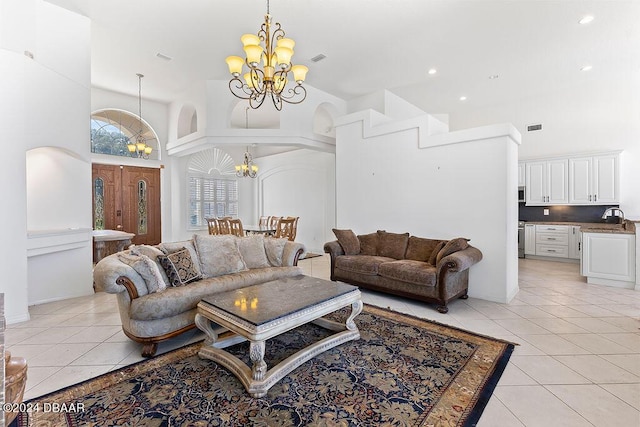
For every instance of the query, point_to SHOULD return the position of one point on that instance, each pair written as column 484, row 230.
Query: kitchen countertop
column 628, row 227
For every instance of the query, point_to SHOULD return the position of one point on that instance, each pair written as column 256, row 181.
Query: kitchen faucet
column 611, row 211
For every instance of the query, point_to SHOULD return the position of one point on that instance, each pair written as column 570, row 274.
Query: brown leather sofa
column 428, row 270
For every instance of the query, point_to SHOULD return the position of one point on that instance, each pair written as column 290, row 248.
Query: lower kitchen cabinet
column 575, row 241
column 609, row 259
column 552, row 241
column 529, row 239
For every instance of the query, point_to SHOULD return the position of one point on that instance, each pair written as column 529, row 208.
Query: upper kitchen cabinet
column 522, row 174
column 594, row 180
column 547, row 182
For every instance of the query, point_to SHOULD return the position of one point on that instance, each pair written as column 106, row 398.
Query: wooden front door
column 127, row 198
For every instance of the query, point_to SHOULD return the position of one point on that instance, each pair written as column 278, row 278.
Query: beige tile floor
column 578, row 362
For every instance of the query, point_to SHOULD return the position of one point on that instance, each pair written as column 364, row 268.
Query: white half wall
column 462, row 185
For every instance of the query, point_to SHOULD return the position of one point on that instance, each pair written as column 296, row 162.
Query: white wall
column 596, row 115
column 463, row 185
column 300, row 183
column 44, row 103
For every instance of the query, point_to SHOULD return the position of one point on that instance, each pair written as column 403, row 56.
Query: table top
column 266, row 302
column 259, row 229
column 110, row 235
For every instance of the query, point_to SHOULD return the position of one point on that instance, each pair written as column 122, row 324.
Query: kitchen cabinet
column 552, row 240
column 522, row 174
column 594, row 180
column 609, row 259
column 529, row 239
column 547, row 182
column 574, row 241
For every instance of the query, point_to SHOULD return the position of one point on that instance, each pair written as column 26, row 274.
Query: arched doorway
column 125, row 197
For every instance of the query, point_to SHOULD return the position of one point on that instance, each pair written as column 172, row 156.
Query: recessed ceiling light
column 493, row 76
column 463, row 98
column 585, row 19
column 432, row 71
column 586, row 68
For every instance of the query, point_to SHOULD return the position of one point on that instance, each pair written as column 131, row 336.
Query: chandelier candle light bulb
column 269, row 67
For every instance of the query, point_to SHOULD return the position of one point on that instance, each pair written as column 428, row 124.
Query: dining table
column 259, row 229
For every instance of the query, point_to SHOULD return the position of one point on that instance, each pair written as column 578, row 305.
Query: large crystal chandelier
column 269, row 68
column 139, row 148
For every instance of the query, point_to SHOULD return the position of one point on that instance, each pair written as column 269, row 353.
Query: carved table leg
column 98, row 253
column 204, row 325
column 356, row 308
column 256, row 353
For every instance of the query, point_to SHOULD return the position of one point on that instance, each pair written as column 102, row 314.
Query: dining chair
column 273, row 221
column 286, row 228
column 223, row 225
column 264, row 221
column 212, row 224
column 235, row 227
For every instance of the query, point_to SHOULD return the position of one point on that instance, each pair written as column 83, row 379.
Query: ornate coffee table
column 260, row 312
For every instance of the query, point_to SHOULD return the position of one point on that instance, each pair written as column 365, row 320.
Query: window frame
column 200, row 211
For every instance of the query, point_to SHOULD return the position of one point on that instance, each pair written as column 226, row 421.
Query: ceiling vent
column 531, row 128
column 318, row 58
column 163, row 56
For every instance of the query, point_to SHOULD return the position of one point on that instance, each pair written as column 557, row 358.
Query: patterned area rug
column 404, row 371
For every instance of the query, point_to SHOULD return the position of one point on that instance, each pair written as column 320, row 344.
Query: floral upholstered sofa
column 424, row 269
column 159, row 287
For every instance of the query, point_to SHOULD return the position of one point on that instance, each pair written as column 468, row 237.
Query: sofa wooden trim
column 150, row 345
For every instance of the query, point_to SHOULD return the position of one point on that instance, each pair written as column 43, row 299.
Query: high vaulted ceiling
column 527, row 46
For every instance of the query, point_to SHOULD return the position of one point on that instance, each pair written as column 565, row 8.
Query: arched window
column 112, row 130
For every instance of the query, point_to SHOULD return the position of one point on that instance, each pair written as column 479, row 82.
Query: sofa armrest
column 292, row 253
column 333, row 248
column 461, row 260
column 113, row 276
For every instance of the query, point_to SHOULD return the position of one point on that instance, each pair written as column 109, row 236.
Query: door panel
column 141, row 204
column 131, row 201
column 107, row 202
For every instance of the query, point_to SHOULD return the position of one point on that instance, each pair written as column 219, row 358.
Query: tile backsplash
column 562, row 213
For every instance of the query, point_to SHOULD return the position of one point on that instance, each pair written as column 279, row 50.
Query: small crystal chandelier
column 271, row 77
column 140, row 147
column 247, row 168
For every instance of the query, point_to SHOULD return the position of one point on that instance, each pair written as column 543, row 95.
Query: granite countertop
column 628, row 227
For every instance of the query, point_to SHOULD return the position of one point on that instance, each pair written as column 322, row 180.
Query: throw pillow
column 275, row 250
column 145, row 267
column 392, row 245
column 179, row 267
column 452, row 246
column 252, row 251
column 348, row 240
column 218, row 254
column 170, row 247
column 436, row 250
column 153, row 253
column 368, row 244
column 420, row 249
